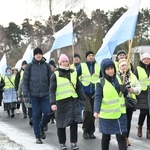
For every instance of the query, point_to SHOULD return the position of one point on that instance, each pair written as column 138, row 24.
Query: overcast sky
column 17, row 10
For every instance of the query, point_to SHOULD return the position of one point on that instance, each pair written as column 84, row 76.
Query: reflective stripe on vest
column 143, row 78
column 64, row 87
column 112, row 105
column 8, row 84
column 86, row 78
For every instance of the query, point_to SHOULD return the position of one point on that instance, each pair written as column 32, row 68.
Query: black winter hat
column 89, row 52
column 37, row 51
column 77, row 55
column 24, row 63
column 120, row 52
column 51, row 62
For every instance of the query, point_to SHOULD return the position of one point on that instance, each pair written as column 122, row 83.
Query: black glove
column 123, row 88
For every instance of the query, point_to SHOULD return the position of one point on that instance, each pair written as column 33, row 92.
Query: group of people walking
column 99, row 91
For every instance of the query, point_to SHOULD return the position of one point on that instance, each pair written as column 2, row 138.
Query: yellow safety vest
column 9, row 83
column 143, row 78
column 64, row 88
column 112, row 104
column 133, row 82
column 86, row 78
column 21, row 74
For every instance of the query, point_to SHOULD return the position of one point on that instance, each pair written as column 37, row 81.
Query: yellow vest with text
column 64, row 88
column 143, row 78
column 8, row 83
column 86, row 78
column 112, row 104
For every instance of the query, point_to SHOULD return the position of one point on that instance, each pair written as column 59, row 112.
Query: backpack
column 48, row 68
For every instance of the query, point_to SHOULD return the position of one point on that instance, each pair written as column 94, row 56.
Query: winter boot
column 139, row 133
column 148, row 134
column 128, row 142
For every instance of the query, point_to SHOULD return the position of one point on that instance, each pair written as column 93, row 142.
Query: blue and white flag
column 63, row 37
column 28, row 56
column 120, row 32
column 3, row 65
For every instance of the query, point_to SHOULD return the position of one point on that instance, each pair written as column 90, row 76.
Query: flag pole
column 128, row 62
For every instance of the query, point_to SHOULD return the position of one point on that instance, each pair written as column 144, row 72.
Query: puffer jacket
column 36, row 79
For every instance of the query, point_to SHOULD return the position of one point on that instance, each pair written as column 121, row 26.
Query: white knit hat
column 145, row 55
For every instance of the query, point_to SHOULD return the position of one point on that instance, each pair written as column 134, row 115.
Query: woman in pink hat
column 65, row 92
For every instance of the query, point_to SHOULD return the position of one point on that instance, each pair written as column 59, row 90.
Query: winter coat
column 36, row 79
column 143, row 96
column 90, row 89
column 67, row 109
column 109, row 126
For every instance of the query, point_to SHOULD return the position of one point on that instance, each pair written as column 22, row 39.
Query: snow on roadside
column 12, row 138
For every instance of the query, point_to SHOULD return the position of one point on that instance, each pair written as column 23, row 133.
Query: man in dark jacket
column 36, row 83
column 89, row 73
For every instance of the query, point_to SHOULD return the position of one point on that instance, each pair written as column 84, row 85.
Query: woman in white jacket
column 134, row 88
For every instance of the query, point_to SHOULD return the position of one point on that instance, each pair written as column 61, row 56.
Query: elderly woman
column 9, row 94
column 134, row 88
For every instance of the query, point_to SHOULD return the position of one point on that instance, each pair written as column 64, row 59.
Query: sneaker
column 74, row 146
column 92, row 136
column 39, row 141
column 85, row 135
column 63, row 147
column 43, row 135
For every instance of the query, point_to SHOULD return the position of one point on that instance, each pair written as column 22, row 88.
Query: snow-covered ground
column 9, row 140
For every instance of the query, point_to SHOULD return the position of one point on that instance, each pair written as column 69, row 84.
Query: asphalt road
column 51, row 141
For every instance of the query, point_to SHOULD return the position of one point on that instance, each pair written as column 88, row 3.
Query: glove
column 26, row 99
column 123, row 88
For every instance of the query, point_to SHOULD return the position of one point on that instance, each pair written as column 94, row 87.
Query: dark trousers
column 88, row 118
column 18, row 105
column 24, row 109
column 40, row 105
column 143, row 114
column 129, row 114
column 61, row 132
column 30, row 113
column 121, row 139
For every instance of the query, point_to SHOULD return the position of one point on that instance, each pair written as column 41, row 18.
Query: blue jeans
column 40, row 111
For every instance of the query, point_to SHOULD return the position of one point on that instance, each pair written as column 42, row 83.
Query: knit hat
column 88, row 52
column 122, row 62
column 24, row 63
column 37, row 51
column 14, row 69
column 77, row 55
column 51, row 62
column 145, row 55
column 120, row 52
column 63, row 57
